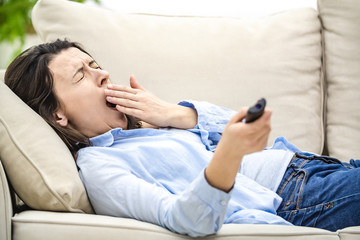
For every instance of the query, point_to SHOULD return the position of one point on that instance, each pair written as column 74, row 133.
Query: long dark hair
column 29, row 77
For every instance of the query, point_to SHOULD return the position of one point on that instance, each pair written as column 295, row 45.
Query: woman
column 143, row 158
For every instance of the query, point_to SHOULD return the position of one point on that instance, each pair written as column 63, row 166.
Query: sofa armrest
column 5, row 206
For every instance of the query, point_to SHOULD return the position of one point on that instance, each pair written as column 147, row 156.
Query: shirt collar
column 108, row 138
column 103, row 140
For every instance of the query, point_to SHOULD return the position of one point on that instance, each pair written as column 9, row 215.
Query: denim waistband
column 300, row 158
column 310, row 162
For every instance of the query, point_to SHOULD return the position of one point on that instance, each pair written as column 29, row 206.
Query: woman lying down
column 189, row 167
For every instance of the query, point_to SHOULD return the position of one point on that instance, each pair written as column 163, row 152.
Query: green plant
column 15, row 21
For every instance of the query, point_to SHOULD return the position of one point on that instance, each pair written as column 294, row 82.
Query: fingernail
column 110, row 85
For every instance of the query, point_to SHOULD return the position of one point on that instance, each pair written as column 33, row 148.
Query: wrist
column 224, row 166
column 181, row 117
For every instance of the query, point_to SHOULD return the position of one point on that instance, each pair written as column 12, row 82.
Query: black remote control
column 255, row 111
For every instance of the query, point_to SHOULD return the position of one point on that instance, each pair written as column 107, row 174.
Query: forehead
column 68, row 60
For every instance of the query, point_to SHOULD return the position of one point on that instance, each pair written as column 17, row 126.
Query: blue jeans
column 320, row 192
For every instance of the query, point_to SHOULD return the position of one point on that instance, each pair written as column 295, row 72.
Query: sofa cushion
column 341, row 20
column 36, row 225
column 38, row 164
column 349, row 233
column 231, row 62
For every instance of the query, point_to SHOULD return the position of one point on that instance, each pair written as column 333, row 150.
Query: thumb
column 134, row 83
column 238, row 117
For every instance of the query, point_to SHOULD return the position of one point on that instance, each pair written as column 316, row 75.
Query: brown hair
column 29, row 77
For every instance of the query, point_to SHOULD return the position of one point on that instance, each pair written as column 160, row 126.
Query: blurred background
column 17, row 33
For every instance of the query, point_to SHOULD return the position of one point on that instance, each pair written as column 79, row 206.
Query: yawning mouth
column 110, row 105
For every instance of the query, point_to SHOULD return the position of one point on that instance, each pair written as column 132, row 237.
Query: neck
column 147, row 125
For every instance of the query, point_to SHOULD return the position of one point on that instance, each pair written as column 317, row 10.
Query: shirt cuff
column 216, row 198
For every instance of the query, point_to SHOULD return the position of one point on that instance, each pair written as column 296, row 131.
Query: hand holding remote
column 238, row 140
column 255, row 111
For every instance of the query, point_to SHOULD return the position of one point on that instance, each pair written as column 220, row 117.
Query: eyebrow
column 82, row 68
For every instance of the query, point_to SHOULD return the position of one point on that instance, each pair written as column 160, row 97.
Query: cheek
column 85, row 109
column 82, row 106
column 86, row 116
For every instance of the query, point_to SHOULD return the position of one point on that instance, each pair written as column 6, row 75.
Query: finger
column 129, row 111
column 121, row 94
column 264, row 119
column 125, row 102
column 267, row 115
column 263, row 138
column 238, row 116
column 135, row 84
column 261, row 142
column 263, row 124
column 122, row 88
column 257, row 137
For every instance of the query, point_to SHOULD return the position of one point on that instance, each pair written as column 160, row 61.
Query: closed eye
column 78, row 72
column 94, row 65
column 81, row 77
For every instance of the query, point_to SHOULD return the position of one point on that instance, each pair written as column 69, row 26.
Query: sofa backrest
column 341, row 28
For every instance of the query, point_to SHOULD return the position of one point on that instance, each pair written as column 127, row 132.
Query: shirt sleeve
column 211, row 121
column 198, row 211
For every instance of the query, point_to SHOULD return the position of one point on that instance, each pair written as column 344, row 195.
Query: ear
column 61, row 118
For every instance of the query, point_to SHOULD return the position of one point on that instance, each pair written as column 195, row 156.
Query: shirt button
column 223, row 202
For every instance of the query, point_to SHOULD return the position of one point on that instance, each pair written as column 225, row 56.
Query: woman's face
column 79, row 84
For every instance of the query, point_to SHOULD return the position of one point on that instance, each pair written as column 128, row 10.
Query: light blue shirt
column 157, row 176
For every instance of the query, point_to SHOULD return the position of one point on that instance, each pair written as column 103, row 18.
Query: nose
column 102, row 78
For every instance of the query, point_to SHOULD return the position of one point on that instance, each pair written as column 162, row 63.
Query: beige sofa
column 305, row 62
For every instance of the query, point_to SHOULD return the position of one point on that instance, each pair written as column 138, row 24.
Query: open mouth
column 110, row 105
